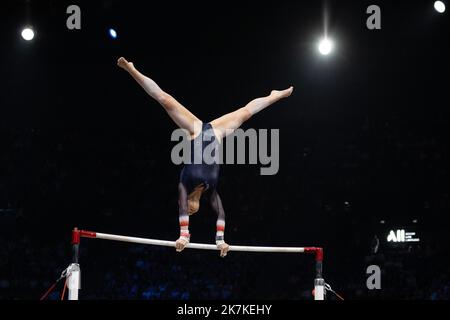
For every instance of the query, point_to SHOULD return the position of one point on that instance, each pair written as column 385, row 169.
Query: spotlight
column 439, row 6
column 325, row 46
column 112, row 33
column 27, row 34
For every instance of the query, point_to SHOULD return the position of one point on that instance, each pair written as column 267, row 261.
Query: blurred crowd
column 126, row 182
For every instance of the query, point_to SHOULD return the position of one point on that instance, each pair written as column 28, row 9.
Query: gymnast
column 201, row 179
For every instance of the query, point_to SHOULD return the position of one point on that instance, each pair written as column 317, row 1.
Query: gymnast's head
column 194, row 199
column 193, row 206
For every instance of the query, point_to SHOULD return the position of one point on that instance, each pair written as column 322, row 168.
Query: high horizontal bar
column 97, row 235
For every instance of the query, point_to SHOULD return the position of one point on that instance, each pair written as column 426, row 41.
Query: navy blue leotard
column 203, row 171
column 194, row 174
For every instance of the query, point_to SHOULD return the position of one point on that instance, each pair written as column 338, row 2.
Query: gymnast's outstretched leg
column 179, row 114
column 226, row 124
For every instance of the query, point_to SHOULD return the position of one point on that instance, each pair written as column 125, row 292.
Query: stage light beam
column 439, row 6
column 326, row 46
column 27, row 34
column 112, row 33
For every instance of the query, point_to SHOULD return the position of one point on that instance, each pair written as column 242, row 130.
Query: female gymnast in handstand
column 201, row 179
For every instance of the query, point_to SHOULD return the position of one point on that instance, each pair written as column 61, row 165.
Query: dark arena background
column 364, row 149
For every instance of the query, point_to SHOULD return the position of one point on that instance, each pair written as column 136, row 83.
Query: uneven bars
column 74, row 280
column 201, row 246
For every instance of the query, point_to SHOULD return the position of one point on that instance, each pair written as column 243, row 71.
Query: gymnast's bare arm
column 216, row 205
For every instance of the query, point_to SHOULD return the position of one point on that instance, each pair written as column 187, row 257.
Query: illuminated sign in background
column 401, row 235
